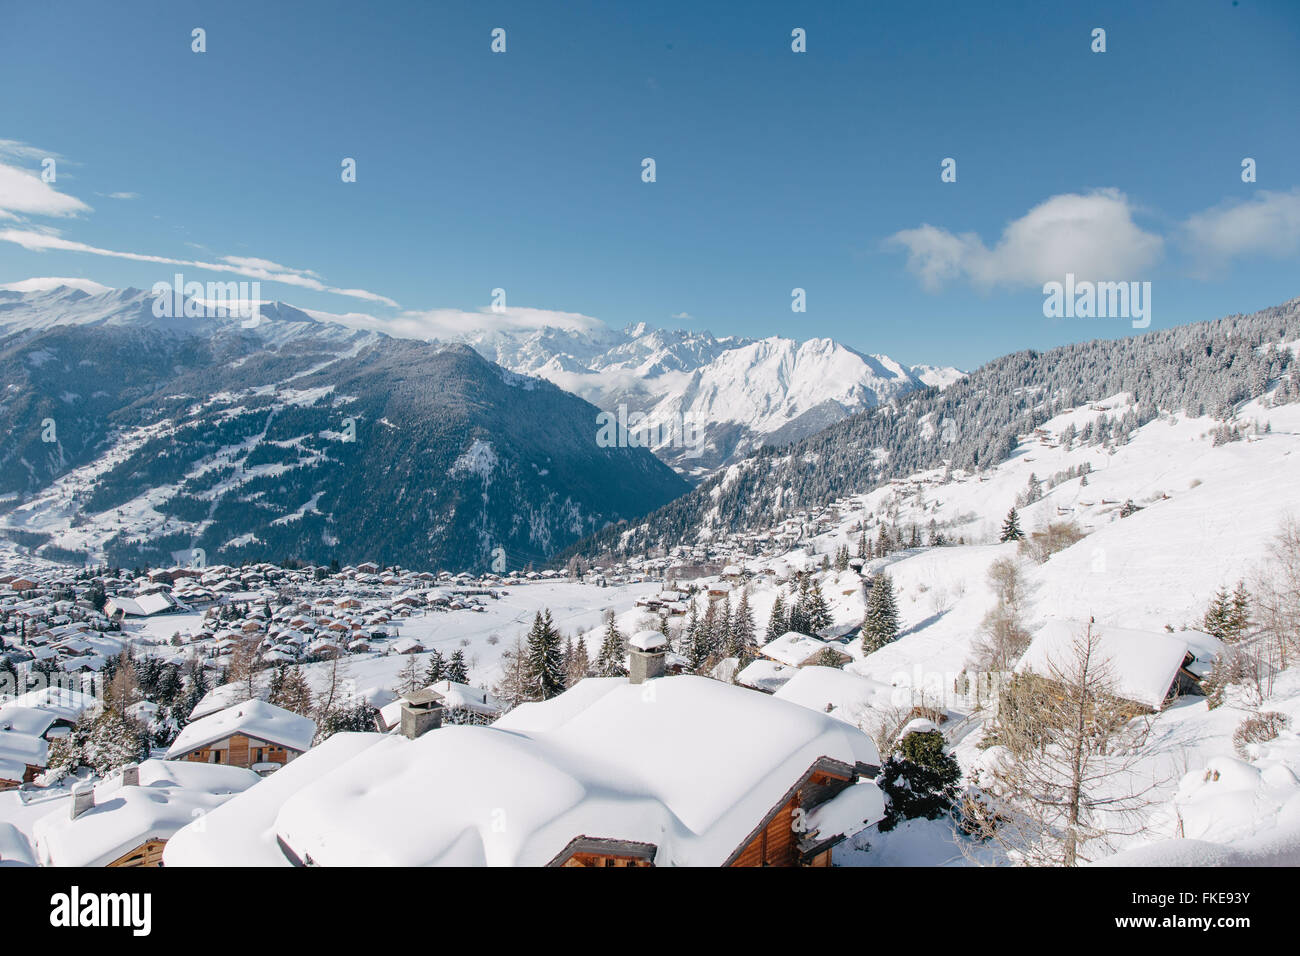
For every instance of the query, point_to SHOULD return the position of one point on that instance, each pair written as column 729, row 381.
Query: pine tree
column 613, row 651
column 1011, row 528
column 457, row 670
column 880, row 624
column 437, row 668
column 545, row 658
column 742, row 628
column 579, row 663
column 1218, row 617
column 919, row 779
column 777, row 624
column 818, row 611
column 1239, row 615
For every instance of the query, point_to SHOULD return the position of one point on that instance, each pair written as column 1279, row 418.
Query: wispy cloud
column 44, row 241
column 46, row 283
column 23, row 193
column 456, row 324
column 1092, row 235
column 1266, row 226
column 683, row 316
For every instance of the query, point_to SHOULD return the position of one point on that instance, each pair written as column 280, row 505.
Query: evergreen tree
column 742, row 628
column 579, row 663
column 777, row 624
column 1218, row 617
column 919, row 779
column 545, row 658
column 1011, row 528
column 613, row 651
column 1239, row 615
column 437, row 669
column 457, row 670
column 818, row 611
column 880, row 624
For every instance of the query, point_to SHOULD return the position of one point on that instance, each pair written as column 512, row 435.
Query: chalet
column 1148, row 668
column 252, row 734
column 798, row 650
column 848, row 697
column 459, row 703
column 644, row 771
column 127, row 820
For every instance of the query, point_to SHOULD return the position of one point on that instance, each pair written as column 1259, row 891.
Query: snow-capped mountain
column 129, row 437
column 698, row 401
column 703, row 402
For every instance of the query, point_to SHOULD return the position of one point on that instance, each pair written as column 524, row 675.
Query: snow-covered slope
column 703, row 401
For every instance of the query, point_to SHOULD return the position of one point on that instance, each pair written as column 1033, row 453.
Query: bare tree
column 514, row 686
column 243, row 665
column 1277, row 596
column 1066, row 781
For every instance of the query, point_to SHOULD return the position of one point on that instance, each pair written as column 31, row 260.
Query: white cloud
column 46, row 283
column 683, row 316
column 23, row 193
column 123, row 195
column 43, row 241
column 1092, row 236
column 457, row 324
column 1267, row 225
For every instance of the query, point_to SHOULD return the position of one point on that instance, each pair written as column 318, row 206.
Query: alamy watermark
column 1084, row 299
column 176, row 299
column 624, row 430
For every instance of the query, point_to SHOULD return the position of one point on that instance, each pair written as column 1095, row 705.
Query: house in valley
column 126, row 821
column 251, row 734
column 648, row 770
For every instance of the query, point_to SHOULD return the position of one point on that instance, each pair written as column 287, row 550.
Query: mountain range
column 132, row 438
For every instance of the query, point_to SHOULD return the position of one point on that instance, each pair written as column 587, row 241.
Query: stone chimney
column 647, row 656
column 421, row 713
column 83, row 798
column 131, row 775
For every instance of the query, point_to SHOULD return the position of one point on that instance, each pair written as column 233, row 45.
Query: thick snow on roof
column 685, row 763
column 221, row 697
column 829, row 690
column 63, row 703
column 241, row 832
column 850, row 811
column 766, row 675
column 17, row 750
column 792, row 648
column 14, row 848
column 170, row 795
column 26, row 720
column 1143, row 664
column 648, row 640
column 252, row 718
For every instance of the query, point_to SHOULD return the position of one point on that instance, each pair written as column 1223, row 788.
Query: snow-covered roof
column 242, row 831
column 838, row 693
column 648, row 640
column 171, row 795
column 64, row 703
column 793, row 648
column 252, row 718
column 14, row 848
column 765, row 675
column 685, row 764
column 1143, row 664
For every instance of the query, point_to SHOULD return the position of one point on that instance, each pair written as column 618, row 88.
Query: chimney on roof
column 421, row 713
column 647, row 656
column 131, row 775
column 83, row 798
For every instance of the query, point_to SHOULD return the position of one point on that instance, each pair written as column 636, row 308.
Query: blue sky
column 775, row 170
